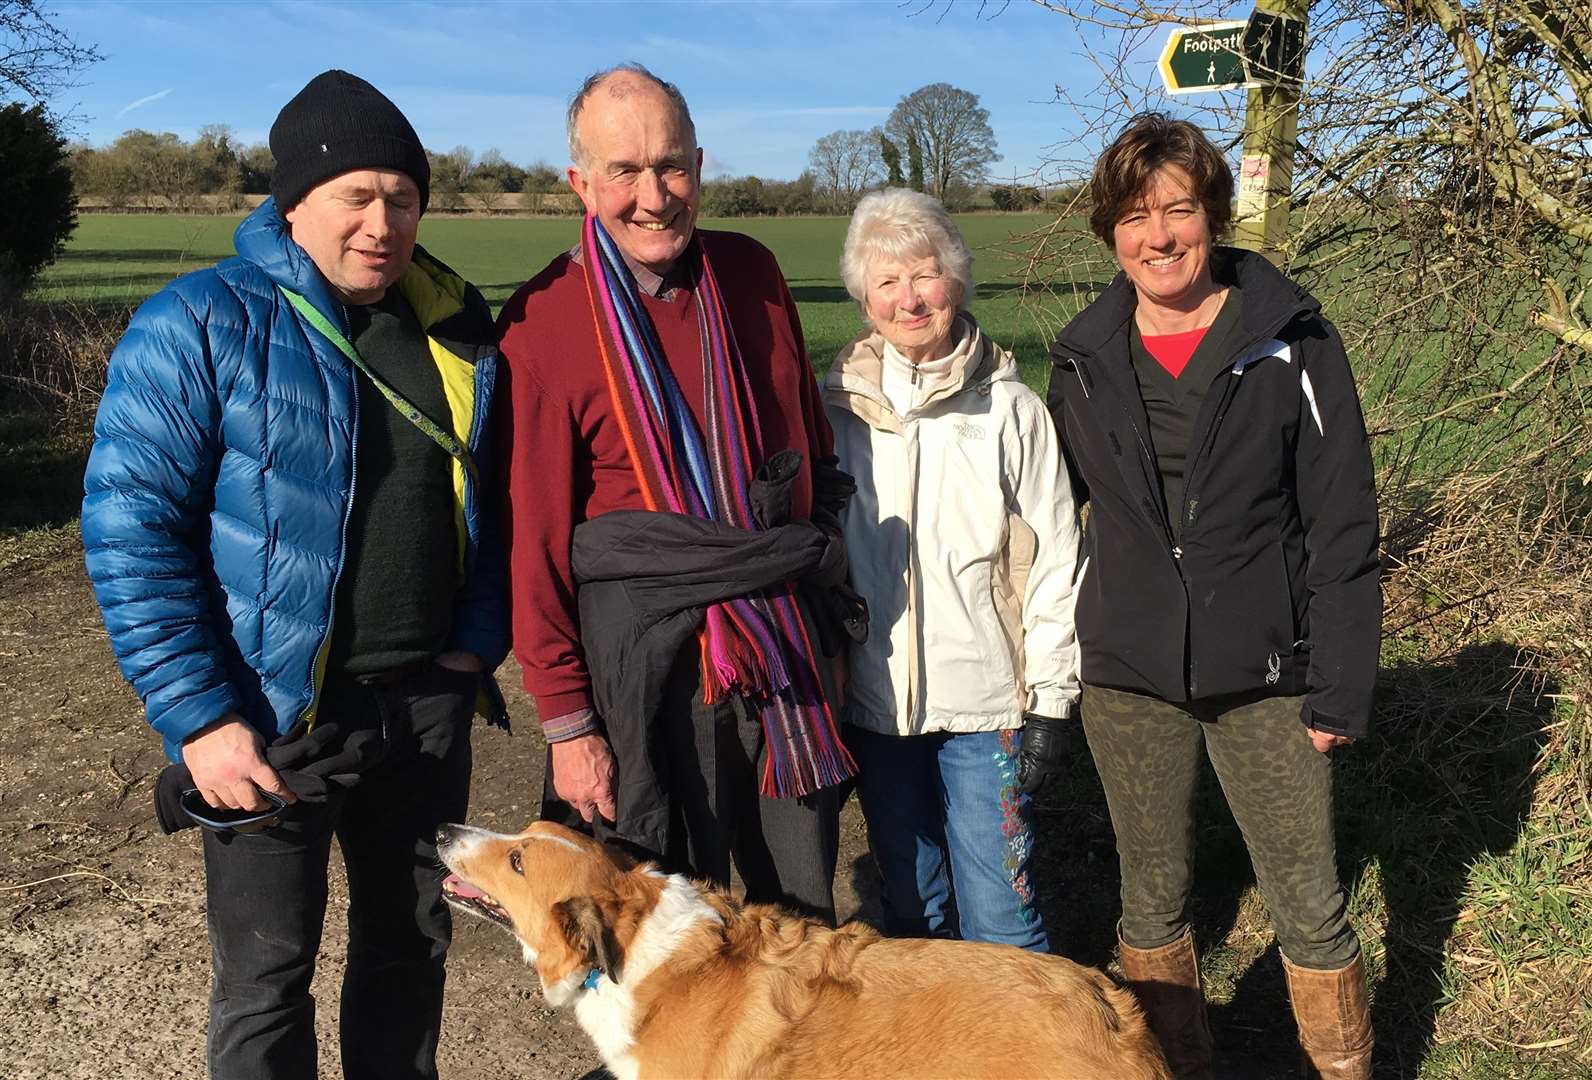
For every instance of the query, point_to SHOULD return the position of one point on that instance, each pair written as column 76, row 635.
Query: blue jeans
column 952, row 838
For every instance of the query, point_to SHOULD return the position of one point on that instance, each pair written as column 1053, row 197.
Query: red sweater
column 563, row 459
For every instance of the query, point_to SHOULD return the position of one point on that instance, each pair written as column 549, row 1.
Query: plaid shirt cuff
column 570, row 725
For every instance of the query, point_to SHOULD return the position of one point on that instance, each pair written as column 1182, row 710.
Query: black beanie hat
column 337, row 123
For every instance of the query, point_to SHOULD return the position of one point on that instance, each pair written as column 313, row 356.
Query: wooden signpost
column 1264, row 54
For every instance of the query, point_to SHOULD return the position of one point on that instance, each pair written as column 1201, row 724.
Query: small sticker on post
column 1253, row 173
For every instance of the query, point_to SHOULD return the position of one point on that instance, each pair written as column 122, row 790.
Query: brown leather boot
column 1333, row 1011
column 1167, row 982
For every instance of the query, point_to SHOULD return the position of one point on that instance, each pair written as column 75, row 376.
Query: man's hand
column 228, row 764
column 1047, row 744
column 1326, row 740
column 460, row 661
column 583, row 775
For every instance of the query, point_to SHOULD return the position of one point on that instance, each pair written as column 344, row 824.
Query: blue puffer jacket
column 221, row 476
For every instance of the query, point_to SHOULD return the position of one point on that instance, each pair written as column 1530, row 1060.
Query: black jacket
column 646, row 577
column 1273, row 587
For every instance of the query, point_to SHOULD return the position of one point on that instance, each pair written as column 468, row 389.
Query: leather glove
column 1047, row 744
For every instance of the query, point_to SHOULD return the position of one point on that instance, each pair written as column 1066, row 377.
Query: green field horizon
column 121, row 259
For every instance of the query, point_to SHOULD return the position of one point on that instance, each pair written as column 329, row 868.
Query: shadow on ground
column 103, row 255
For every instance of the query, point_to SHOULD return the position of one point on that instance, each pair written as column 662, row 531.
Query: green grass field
column 122, row 258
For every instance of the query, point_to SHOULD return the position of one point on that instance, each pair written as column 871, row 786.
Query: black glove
column 1047, row 744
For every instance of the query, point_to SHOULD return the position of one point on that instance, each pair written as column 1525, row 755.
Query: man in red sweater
column 637, row 169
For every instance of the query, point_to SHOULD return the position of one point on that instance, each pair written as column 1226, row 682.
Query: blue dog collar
column 591, row 979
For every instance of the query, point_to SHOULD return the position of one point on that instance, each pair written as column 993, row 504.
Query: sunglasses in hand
column 221, row 820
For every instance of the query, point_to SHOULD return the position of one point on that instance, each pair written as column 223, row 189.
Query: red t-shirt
column 561, row 456
column 1174, row 351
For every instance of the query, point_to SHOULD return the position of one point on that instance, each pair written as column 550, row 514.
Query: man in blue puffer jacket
column 286, row 523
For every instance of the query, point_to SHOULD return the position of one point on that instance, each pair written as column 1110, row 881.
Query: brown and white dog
column 672, row 979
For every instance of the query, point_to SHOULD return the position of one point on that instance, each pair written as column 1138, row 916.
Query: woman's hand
column 1324, row 741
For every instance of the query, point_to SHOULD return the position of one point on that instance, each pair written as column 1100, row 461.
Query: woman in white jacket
column 963, row 538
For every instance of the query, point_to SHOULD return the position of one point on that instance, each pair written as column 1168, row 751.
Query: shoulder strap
column 435, row 432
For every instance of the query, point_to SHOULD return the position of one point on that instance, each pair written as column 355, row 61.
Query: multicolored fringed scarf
column 755, row 645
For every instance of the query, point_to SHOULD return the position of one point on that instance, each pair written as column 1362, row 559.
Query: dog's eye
column 514, row 862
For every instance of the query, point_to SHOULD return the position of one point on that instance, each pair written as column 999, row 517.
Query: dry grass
column 53, row 359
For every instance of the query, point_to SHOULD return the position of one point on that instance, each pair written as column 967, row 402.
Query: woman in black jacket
column 1229, row 600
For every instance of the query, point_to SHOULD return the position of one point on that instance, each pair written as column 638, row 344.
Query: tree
column 844, row 165
column 141, row 163
column 735, row 197
column 488, row 191
column 542, row 179
column 952, row 133
column 798, row 196
column 450, row 176
column 891, row 153
column 915, row 164
column 36, row 191
column 36, row 57
column 216, row 166
column 255, row 165
column 494, row 168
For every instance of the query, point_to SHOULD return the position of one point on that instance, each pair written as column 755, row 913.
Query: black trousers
column 267, row 898
column 711, row 759
column 784, row 849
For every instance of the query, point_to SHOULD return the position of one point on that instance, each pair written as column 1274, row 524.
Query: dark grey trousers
column 1277, row 784
column 267, row 895
column 711, row 759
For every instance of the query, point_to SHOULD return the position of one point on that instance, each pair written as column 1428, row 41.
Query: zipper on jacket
column 318, row 671
column 1162, row 511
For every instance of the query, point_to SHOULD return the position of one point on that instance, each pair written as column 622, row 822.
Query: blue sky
column 764, row 80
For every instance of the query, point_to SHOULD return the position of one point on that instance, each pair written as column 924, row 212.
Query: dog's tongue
column 456, row 885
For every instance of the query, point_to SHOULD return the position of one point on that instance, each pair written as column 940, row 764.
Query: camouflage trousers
column 1277, row 785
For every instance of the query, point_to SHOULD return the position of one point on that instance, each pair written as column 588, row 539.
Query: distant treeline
column 158, row 172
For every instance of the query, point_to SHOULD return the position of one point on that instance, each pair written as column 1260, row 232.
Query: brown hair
column 1150, row 141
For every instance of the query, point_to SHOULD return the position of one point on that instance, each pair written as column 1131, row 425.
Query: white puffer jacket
column 963, row 538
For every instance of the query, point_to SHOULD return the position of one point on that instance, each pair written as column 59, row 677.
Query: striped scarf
column 756, row 644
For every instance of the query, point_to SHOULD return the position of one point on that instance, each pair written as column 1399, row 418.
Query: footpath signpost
column 1205, row 57
column 1265, row 55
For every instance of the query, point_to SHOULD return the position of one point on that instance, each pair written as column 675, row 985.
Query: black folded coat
column 645, row 580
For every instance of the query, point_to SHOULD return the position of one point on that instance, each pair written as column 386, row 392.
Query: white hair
column 899, row 224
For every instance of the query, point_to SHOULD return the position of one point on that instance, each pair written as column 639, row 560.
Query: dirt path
column 104, row 963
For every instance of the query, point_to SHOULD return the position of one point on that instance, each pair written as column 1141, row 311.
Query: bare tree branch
column 37, row 58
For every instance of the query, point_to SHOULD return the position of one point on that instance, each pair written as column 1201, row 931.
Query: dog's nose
column 445, row 834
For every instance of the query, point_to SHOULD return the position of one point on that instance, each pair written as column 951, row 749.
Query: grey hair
column 577, row 152
column 899, row 224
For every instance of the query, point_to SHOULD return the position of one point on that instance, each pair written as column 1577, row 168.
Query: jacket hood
column 1271, row 302
column 858, row 370
column 433, row 290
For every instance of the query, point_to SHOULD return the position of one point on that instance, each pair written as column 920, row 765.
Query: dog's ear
column 582, row 923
